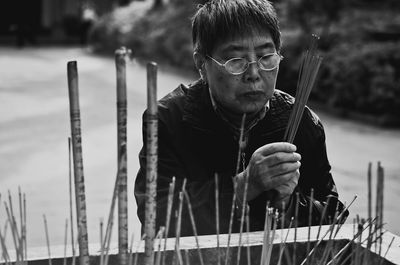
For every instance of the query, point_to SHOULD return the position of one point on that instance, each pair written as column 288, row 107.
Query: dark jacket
column 194, row 143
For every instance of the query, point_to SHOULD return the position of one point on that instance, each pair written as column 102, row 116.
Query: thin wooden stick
column 110, row 222
column 4, row 249
column 65, row 242
column 13, row 232
column 267, row 229
column 178, row 229
column 284, row 242
column 120, row 62
column 310, row 219
column 47, row 238
column 244, row 203
column 80, row 196
column 296, row 216
column 217, row 217
column 248, row 234
column 130, row 260
column 189, row 205
column 384, row 256
column 330, row 228
column 24, row 226
column 358, row 235
column 151, row 162
column 235, row 185
column 168, row 216
column 187, row 256
column 137, row 249
column 271, row 240
column 159, row 237
column 101, row 243
column 381, row 176
column 71, row 217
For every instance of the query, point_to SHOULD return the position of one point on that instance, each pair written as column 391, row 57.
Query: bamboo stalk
column 70, row 200
column 47, row 237
column 151, row 162
column 80, row 196
column 120, row 62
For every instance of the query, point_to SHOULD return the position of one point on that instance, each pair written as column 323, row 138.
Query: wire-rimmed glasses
column 237, row 66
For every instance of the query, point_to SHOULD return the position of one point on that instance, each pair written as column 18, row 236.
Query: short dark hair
column 219, row 20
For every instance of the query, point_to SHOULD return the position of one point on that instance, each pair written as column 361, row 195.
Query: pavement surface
column 34, row 128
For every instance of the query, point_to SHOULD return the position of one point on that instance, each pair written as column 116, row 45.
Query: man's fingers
column 284, row 168
column 282, row 179
column 281, row 157
column 276, row 147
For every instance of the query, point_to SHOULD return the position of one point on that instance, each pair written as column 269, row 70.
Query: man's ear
column 199, row 62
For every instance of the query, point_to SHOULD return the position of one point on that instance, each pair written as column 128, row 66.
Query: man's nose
column 252, row 73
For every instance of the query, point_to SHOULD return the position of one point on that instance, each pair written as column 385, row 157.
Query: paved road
column 34, row 127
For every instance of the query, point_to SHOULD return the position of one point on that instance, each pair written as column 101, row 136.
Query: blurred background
column 357, row 95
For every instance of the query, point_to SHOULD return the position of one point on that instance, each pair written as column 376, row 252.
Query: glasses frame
column 248, row 63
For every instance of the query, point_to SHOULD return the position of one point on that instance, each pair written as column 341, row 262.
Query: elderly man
column 237, row 53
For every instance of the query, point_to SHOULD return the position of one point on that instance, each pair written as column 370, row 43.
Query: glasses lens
column 236, row 65
column 269, row 61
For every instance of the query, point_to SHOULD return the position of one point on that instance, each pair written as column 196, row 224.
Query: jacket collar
column 198, row 110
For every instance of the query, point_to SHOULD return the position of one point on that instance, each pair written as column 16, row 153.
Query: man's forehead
column 243, row 43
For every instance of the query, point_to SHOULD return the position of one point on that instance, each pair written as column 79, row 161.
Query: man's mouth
column 253, row 94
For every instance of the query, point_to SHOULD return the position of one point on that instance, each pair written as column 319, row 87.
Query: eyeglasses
column 237, row 66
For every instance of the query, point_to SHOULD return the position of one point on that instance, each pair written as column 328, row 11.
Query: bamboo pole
column 151, row 162
column 120, row 62
column 79, row 179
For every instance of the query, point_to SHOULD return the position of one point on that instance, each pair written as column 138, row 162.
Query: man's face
column 247, row 92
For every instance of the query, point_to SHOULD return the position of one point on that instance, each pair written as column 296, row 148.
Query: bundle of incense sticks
column 18, row 233
column 309, row 67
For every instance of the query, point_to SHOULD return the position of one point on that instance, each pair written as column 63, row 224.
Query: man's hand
column 275, row 167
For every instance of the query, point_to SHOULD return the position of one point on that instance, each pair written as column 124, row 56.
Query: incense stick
column 151, row 162
column 217, row 217
column 171, row 191
column 65, row 242
column 70, row 200
column 296, row 215
column 47, row 237
column 189, row 205
column 307, row 75
column 159, row 237
column 248, row 234
column 310, row 219
column 330, row 228
column 130, row 260
column 284, row 242
column 80, row 196
column 244, row 199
